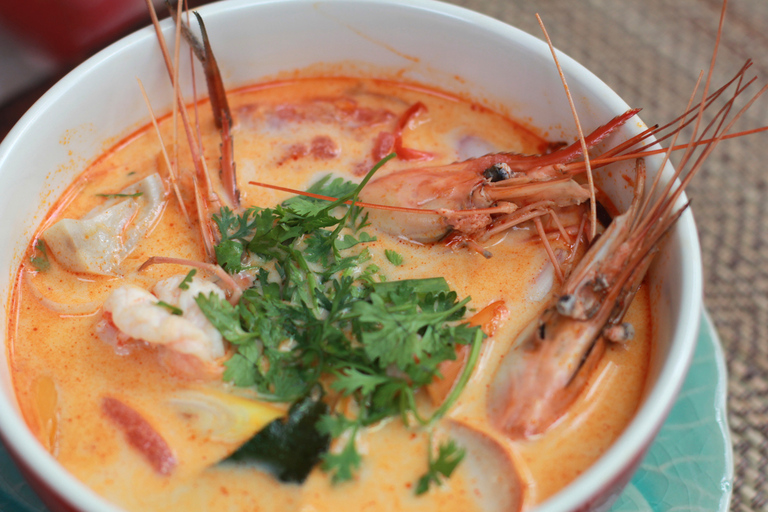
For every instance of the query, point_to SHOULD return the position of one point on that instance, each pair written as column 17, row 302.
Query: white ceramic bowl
column 418, row 40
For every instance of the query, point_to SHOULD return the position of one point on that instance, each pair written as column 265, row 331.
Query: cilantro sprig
column 170, row 308
column 319, row 316
column 40, row 262
column 448, row 457
column 184, row 284
column 394, row 257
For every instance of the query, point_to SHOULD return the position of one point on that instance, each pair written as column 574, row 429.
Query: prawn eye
column 497, row 172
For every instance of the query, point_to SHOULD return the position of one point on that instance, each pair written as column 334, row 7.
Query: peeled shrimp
column 553, row 358
column 192, row 345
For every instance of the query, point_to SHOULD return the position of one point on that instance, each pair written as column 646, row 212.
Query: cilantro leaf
column 229, row 254
column 396, row 329
column 170, row 307
column 240, row 371
column 235, row 231
column 349, row 241
column 393, row 257
column 389, row 399
column 325, row 187
column 225, row 317
column 423, row 286
column 351, row 380
column 342, row 465
column 184, row 284
column 40, row 262
column 449, row 456
column 334, row 424
column 236, row 227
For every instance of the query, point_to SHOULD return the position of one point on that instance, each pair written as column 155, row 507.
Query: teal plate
column 689, row 467
column 690, row 464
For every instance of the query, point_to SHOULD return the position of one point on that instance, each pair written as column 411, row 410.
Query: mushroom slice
column 488, row 468
column 99, row 241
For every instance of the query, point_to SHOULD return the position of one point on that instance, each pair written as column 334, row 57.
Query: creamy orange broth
column 61, row 369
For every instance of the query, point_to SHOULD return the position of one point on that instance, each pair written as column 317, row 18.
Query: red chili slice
column 141, row 435
column 383, row 146
column 387, row 142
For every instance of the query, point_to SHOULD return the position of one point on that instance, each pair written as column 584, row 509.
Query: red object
column 387, row 142
column 69, row 30
column 140, row 434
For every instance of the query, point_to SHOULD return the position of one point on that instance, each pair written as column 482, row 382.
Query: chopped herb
column 184, row 284
column 393, row 257
column 40, row 262
column 427, row 285
column 353, row 380
column 343, row 465
column 448, row 457
column 225, row 317
column 319, row 316
column 170, row 307
column 334, row 425
column 110, row 196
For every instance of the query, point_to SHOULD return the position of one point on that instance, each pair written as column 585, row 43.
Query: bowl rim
column 630, row 445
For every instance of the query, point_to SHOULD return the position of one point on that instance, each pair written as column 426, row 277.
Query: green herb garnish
column 320, row 316
column 448, row 457
column 184, row 284
column 342, row 465
column 40, row 262
column 393, row 257
column 170, row 307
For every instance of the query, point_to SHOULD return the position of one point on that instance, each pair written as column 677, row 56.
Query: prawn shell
column 426, row 189
column 542, row 375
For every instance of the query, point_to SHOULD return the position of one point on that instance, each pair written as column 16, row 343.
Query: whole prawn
column 553, row 358
column 551, row 361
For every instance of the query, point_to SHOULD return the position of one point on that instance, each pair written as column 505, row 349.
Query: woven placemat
column 651, row 53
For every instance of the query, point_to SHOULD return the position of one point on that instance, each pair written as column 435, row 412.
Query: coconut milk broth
column 291, row 133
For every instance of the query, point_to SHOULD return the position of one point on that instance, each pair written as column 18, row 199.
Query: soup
column 93, row 390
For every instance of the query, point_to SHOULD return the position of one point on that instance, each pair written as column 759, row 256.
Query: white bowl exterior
column 424, row 41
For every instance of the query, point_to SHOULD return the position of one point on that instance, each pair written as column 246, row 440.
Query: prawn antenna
column 584, row 149
column 350, row 203
column 574, row 168
column 171, row 168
